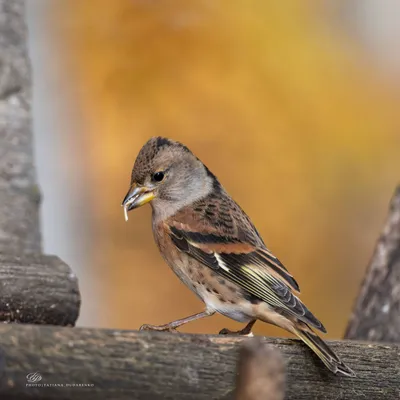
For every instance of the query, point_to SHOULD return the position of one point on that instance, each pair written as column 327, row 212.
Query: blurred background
column 298, row 99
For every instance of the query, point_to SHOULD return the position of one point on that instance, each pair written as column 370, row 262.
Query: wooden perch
column 133, row 365
column 38, row 290
column 376, row 316
column 261, row 373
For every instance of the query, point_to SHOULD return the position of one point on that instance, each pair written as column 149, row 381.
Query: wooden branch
column 260, row 372
column 39, row 290
column 376, row 316
column 133, row 365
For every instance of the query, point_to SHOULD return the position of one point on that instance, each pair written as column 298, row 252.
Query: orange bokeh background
column 290, row 114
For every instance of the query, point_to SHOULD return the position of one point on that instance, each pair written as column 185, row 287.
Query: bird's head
column 167, row 175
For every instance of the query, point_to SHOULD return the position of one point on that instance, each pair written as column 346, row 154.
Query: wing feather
column 256, row 271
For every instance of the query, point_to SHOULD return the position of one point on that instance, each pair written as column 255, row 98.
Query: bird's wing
column 232, row 247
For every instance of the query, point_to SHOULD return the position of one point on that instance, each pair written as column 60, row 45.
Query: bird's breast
column 217, row 293
column 179, row 262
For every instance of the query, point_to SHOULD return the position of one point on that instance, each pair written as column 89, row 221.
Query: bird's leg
column 171, row 327
column 246, row 331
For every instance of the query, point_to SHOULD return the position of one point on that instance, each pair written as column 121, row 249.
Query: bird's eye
column 158, row 176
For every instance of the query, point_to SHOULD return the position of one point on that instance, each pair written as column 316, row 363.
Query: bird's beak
column 137, row 196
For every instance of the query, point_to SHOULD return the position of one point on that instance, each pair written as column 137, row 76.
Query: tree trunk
column 19, row 193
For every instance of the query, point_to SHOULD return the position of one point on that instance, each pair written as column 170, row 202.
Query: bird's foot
column 159, row 328
column 242, row 332
column 246, row 331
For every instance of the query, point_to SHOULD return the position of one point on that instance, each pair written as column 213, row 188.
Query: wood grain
column 38, row 289
column 154, row 365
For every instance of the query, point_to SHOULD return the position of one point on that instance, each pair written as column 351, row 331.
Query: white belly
column 238, row 312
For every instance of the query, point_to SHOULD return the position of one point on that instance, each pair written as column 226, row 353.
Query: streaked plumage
column 213, row 247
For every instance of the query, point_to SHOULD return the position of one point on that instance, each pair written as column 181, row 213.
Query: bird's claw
column 242, row 332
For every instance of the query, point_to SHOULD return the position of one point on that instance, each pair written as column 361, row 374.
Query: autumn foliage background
column 283, row 105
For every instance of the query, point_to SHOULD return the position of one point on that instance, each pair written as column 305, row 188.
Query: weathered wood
column 19, row 194
column 38, row 289
column 261, row 374
column 376, row 316
column 155, row 365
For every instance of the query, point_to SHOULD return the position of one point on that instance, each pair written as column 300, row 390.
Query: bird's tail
column 322, row 350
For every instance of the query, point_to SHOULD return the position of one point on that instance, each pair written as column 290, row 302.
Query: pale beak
column 137, row 196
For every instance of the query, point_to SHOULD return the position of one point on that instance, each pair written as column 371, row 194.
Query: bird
column 214, row 248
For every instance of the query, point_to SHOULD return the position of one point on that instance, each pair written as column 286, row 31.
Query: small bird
column 214, row 248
